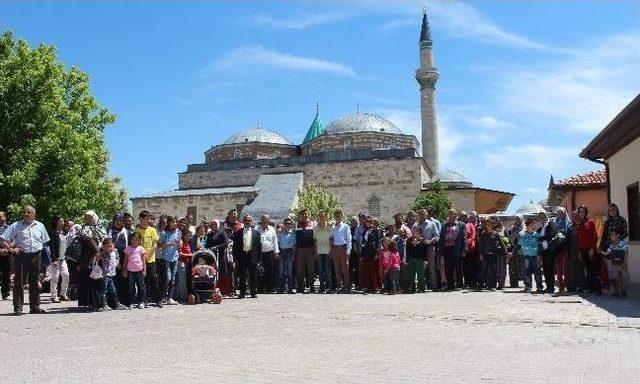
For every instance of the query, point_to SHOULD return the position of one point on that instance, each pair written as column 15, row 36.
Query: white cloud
column 301, row 20
column 397, row 24
column 463, row 20
column 483, row 128
column 259, row 56
column 580, row 91
column 531, row 157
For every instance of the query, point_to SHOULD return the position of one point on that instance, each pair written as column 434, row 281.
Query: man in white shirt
column 268, row 254
column 340, row 251
column 25, row 240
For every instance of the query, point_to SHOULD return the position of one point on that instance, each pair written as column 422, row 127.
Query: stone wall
column 212, row 206
column 346, row 140
column 227, row 178
column 252, row 150
column 381, row 186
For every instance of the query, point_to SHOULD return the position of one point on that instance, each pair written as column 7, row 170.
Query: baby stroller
column 204, row 284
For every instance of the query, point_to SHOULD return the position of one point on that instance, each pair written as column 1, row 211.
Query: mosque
column 367, row 161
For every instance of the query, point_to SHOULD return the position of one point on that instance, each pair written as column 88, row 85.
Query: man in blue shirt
column 340, row 251
column 286, row 244
column 25, row 239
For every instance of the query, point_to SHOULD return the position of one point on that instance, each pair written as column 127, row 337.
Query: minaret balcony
column 427, row 77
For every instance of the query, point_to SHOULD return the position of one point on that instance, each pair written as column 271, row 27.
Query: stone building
column 367, row 161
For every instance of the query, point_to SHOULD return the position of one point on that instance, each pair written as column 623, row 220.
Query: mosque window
column 374, row 205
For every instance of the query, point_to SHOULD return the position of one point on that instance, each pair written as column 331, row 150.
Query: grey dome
column 451, row 176
column 362, row 122
column 530, row 209
column 257, row 135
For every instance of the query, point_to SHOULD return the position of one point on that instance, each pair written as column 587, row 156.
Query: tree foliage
column 52, row 146
column 316, row 198
column 435, row 199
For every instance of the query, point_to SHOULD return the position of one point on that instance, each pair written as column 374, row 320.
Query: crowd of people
column 127, row 265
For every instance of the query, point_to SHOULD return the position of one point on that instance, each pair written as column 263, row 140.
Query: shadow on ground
column 618, row 307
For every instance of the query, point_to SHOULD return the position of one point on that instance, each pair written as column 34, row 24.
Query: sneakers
column 54, row 300
column 119, row 306
column 141, row 306
column 171, row 302
column 106, row 308
column 159, row 304
column 129, row 307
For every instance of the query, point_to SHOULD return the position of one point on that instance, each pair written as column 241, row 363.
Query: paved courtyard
column 490, row 337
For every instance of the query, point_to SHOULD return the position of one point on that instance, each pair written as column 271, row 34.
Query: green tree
column 316, row 198
column 52, row 146
column 435, row 199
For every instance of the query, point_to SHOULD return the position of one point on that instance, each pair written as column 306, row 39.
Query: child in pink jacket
column 391, row 266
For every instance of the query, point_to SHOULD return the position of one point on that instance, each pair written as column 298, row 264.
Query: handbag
column 96, row 271
column 74, row 250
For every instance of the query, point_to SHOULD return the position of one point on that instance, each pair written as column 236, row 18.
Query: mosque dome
column 362, row 122
column 259, row 135
column 530, row 209
column 451, row 176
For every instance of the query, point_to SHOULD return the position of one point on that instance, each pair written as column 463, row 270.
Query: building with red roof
column 588, row 189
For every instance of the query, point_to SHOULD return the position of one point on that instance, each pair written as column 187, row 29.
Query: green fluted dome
column 315, row 129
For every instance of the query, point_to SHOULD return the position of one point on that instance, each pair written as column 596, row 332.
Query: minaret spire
column 427, row 76
column 425, row 33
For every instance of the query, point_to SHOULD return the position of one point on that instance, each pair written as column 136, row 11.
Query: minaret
column 427, row 76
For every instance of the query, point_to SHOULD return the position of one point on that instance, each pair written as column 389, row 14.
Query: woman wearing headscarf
column 92, row 237
column 617, row 223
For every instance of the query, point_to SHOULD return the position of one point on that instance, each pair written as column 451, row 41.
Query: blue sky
column 523, row 85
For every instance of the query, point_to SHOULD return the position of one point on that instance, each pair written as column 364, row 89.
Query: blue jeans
column 285, row 269
column 532, row 266
column 393, row 276
column 324, row 271
column 170, row 268
column 136, row 280
column 110, row 289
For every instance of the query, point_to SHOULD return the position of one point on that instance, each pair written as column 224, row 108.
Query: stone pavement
column 489, row 337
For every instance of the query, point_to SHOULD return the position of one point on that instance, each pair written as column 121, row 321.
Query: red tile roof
column 591, row 178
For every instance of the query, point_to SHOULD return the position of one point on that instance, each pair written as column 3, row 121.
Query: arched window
column 374, row 205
